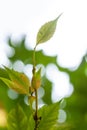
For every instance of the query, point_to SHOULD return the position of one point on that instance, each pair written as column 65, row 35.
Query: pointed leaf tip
column 47, row 31
column 59, row 16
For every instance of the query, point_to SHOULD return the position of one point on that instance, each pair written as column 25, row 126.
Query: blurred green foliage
column 76, row 104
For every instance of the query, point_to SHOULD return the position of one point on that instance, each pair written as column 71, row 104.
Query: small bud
column 36, row 79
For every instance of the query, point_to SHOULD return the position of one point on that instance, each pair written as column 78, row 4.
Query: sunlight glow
column 3, row 121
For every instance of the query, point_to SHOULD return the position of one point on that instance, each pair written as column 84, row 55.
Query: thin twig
column 36, row 95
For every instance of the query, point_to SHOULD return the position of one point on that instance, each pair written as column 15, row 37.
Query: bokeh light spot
column 62, row 116
column 12, row 94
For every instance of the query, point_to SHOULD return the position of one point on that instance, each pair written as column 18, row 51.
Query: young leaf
column 31, row 123
column 49, row 116
column 46, row 31
column 15, row 86
column 18, row 81
column 17, row 119
column 31, row 99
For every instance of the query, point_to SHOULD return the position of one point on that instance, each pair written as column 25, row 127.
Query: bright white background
column 18, row 17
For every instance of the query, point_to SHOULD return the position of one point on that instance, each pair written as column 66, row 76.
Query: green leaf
column 17, row 120
column 3, row 73
column 49, row 116
column 46, row 31
column 31, row 123
column 47, row 86
column 18, row 81
column 63, row 126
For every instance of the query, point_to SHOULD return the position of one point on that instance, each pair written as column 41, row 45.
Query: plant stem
column 36, row 101
column 36, row 112
column 34, row 59
column 36, row 95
